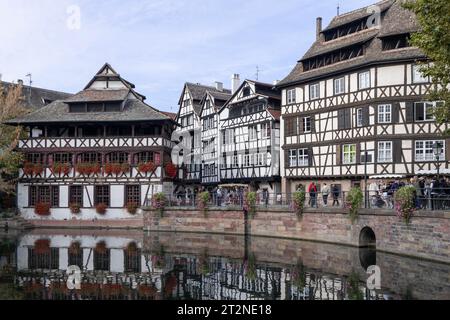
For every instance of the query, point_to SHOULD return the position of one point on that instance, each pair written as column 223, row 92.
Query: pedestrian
column 312, row 189
column 219, row 196
column 325, row 193
column 335, row 191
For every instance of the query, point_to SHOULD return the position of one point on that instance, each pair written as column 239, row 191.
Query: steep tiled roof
column 34, row 97
column 58, row 111
column 99, row 95
column 220, row 95
column 396, row 20
column 198, row 91
column 170, row 114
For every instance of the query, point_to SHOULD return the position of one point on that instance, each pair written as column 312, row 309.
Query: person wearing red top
column 312, row 189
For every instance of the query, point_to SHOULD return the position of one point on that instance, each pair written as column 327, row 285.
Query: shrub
column 159, row 202
column 171, row 170
column 61, row 168
column 42, row 246
column 250, row 203
column 405, row 202
column 42, row 209
column 75, row 208
column 202, row 202
column 101, row 208
column 87, row 169
column 145, row 167
column 354, row 202
column 298, row 202
column 132, row 207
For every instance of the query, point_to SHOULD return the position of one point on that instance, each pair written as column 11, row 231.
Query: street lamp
column 437, row 150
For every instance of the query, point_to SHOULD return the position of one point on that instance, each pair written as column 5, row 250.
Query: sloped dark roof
column 276, row 114
column 198, row 91
column 34, row 97
column 91, row 95
column 170, row 114
column 357, row 14
column 396, row 20
column 221, row 96
column 58, row 112
column 267, row 89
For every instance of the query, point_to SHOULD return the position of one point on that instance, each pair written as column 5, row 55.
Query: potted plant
column 132, row 207
column 101, row 208
column 42, row 246
column 405, row 203
column 42, row 209
column 298, row 202
column 354, row 202
column 171, row 170
column 145, row 167
column 75, row 248
column 101, row 248
column 159, row 202
column 202, row 202
column 75, row 208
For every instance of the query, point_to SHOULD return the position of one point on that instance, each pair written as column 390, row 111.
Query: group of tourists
column 333, row 191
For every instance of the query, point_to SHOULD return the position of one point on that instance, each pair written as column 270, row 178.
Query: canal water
column 132, row 265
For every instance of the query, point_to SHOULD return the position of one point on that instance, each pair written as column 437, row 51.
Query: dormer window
column 333, row 57
column 114, row 106
column 346, row 29
column 396, row 42
column 246, row 92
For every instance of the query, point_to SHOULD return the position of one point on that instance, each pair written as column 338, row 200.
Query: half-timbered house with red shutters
column 356, row 106
column 250, row 137
column 189, row 132
column 101, row 149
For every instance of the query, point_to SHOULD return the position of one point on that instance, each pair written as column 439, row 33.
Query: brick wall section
column 425, row 279
column 427, row 236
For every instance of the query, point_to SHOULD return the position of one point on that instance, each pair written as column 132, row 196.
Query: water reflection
column 132, row 265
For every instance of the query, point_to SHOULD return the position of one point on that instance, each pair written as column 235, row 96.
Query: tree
column 433, row 38
column 11, row 106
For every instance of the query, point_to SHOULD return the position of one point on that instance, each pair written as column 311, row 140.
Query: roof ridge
column 362, row 8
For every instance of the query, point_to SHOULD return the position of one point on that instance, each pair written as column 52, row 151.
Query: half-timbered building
column 250, row 137
column 189, row 132
column 356, row 104
column 209, row 119
column 102, row 147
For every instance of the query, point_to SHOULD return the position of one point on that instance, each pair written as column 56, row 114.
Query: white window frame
column 385, row 113
column 426, row 153
column 385, row 149
column 359, row 117
column 364, row 80
column 426, row 105
column 293, row 158
column 339, row 85
column 291, row 96
column 235, row 161
column 314, row 91
column 303, row 157
column 417, row 76
column 229, row 136
column 265, row 130
column 252, row 132
column 349, row 154
column 247, row 162
column 305, row 122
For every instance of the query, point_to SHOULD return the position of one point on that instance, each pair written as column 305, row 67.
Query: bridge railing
column 439, row 200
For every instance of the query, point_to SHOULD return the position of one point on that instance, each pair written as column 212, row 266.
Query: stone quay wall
column 426, row 236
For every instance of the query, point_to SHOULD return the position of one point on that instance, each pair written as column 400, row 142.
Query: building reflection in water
column 130, row 266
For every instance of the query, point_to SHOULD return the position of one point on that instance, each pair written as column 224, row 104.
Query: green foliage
column 202, row 202
column 250, row 201
column 159, row 202
column 433, row 39
column 405, row 202
column 353, row 290
column 354, row 202
column 298, row 202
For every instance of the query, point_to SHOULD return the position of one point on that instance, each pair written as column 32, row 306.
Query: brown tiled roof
column 170, row 114
column 91, row 95
column 198, row 91
column 276, row 114
column 220, row 95
column 396, row 20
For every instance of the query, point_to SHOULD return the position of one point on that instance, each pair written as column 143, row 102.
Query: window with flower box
column 35, row 158
column 117, row 157
column 133, row 194
column 43, row 259
column 102, row 260
column 102, row 195
column 43, row 194
column 132, row 260
column 91, row 157
column 76, row 195
column 62, row 158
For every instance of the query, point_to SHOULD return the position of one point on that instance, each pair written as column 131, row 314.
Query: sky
column 158, row 44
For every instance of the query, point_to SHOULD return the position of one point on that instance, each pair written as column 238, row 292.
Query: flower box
column 101, row 208
column 42, row 209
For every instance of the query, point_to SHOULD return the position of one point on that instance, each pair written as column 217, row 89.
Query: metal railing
column 434, row 200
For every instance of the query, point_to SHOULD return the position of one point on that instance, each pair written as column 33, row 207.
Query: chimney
column 318, row 27
column 235, row 83
column 219, row 86
column 20, row 82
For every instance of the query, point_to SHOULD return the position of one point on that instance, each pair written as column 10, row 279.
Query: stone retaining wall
column 427, row 236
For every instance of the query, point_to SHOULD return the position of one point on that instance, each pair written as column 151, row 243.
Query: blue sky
column 158, row 44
